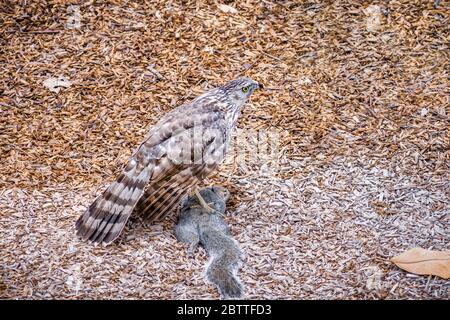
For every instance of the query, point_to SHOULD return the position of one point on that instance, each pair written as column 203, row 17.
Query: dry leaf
column 227, row 9
column 421, row 261
column 374, row 18
column 55, row 84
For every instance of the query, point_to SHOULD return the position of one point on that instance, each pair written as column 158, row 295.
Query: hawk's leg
column 202, row 201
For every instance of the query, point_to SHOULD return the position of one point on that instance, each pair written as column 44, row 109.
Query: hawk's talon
column 203, row 202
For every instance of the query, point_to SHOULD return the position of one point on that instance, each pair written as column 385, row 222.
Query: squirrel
column 198, row 226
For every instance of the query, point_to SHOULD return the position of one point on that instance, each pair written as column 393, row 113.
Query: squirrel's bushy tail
column 224, row 263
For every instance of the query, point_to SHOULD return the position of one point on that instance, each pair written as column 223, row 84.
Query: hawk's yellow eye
column 245, row 89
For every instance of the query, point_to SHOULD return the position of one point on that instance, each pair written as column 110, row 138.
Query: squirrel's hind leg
column 186, row 232
column 186, row 235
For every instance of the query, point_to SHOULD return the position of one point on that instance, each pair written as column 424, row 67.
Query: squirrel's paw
column 192, row 247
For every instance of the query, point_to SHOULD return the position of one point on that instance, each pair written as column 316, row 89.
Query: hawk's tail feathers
column 106, row 217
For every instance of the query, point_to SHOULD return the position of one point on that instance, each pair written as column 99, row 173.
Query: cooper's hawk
column 183, row 148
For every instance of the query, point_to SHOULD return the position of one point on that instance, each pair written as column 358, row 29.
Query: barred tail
column 106, row 217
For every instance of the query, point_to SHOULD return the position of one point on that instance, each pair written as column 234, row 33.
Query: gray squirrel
column 198, row 226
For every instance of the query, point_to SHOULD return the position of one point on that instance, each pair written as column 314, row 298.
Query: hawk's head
column 240, row 89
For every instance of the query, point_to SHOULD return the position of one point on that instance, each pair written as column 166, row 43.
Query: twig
column 271, row 56
column 158, row 75
column 49, row 31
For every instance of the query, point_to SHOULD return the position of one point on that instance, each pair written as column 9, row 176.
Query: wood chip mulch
column 357, row 92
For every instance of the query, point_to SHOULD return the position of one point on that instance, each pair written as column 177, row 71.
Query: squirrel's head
column 221, row 192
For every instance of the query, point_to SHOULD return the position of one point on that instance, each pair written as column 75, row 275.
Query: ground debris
column 357, row 100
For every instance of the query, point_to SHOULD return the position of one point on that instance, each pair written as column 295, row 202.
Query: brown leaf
column 421, row 261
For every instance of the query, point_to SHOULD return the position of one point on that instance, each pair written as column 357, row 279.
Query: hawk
column 184, row 147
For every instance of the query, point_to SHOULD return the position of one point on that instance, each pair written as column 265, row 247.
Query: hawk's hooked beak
column 258, row 85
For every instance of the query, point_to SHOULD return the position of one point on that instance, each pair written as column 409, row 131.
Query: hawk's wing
column 161, row 198
column 208, row 146
column 158, row 163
